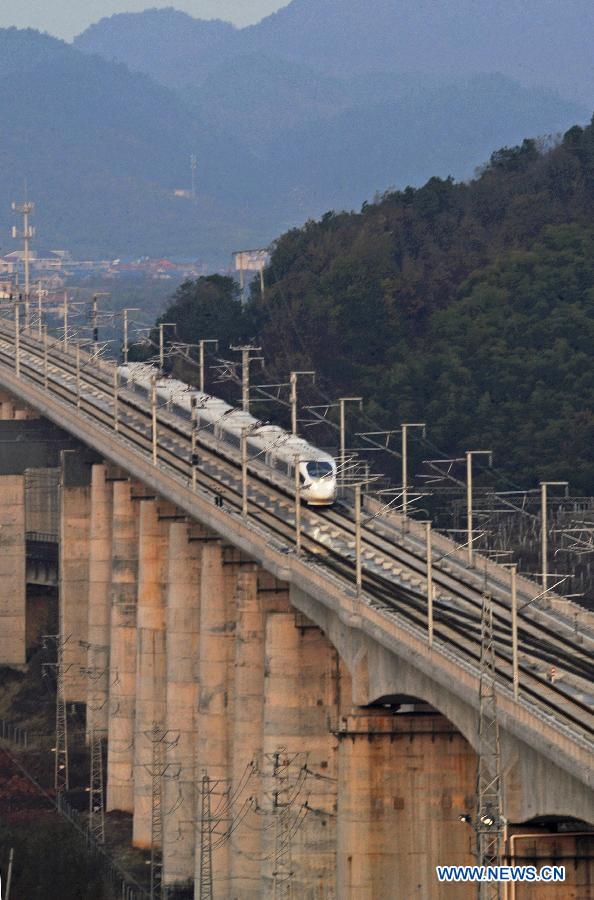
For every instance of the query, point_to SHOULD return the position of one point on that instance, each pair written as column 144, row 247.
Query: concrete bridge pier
column 12, row 571
column 75, row 517
column 99, row 602
column 153, row 536
column 405, row 779
column 120, row 748
column 300, row 757
column 248, row 722
column 215, row 656
column 182, row 645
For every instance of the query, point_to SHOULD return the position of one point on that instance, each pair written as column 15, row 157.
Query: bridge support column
column 150, row 661
column 99, row 595
column 300, row 711
column 213, row 722
column 248, row 720
column 75, row 513
column 12, row 570
column 182, row 640
column 120, row 748
column 404, row 782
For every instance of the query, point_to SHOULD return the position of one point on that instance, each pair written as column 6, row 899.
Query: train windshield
column 318, row 469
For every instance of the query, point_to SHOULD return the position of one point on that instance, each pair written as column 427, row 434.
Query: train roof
column 295, row 446
column 266, row 438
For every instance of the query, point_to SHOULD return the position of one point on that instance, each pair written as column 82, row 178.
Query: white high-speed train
column 268, row 445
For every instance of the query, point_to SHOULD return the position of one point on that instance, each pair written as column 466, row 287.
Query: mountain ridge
column 538, row 42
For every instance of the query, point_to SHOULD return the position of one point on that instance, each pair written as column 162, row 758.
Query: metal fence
column 123, row 884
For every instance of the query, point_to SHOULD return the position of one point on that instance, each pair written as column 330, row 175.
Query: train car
column 317, row 470
column 268, row 445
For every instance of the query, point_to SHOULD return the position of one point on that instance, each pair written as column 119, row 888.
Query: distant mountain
column 447, row 130
column 307, row 111
column 103, row 149
column 166, row 44
column 536, row 42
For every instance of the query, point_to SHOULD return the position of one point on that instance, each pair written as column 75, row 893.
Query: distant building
column 7, row 288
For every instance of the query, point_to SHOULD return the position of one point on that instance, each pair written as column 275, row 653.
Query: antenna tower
column 193, row 167
column 28, row 232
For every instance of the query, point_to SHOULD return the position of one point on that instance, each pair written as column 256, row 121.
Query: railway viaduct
column 309, row 736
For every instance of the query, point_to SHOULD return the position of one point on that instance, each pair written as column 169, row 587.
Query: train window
column 318, row 469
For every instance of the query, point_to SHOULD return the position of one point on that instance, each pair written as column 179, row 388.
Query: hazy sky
column 67, row 18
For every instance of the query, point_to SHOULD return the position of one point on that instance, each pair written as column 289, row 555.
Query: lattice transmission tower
column 61, row 778
column 489, row 819
column 206, row 881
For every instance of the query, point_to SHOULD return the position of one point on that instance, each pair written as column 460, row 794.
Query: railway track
column 327, row 534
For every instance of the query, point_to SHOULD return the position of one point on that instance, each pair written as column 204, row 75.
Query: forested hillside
column 469, row 305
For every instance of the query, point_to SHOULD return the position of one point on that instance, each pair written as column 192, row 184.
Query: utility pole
column 201, row 346
column 125, row 312
column 246, row 360
column 342, row 426
column 39, row 310
column 404, row 427
column 206, row 881
column 293, row 399
column 162, row 326
column 244, row 472
column 489, row 820
column 296, row 463
column 544, row 525
column 358, row 567
column 65, row 315
column 78, row 374
column 469, row 510
column 45, row 359
column 429, row 548
column 154, row 419
column 17, row 337
column 9, row 874
column 194, row 437
column 28, row 232
column 116, row 398
column 94, row 318
column 513, row 569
